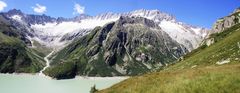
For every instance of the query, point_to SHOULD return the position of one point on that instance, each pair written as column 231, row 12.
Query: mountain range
column 49, row 29
column 109, row 44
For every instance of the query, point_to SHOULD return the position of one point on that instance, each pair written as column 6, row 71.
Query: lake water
column 24, row 83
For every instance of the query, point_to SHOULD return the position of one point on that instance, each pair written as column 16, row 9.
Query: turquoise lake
column 24, row 83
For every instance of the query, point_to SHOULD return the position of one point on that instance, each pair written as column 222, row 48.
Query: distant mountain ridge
column 48, row 29
column 110, row 44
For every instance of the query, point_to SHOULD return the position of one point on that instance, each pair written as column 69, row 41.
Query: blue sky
column 196, row 12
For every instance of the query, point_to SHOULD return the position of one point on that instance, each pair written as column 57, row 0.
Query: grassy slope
column 19, row 57
column 212, row 79
column 15, row 56
column 225, row 47
column 205, row 77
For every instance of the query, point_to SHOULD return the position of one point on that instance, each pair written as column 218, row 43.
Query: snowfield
column 55, row 34
column 60, row 29
column 190, row 38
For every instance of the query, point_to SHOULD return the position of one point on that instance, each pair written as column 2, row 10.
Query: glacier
column 53, row 33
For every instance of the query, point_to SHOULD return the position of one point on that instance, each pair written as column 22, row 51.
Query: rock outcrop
column 227, row 22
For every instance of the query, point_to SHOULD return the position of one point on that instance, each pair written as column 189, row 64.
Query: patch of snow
column 55, row 31
column 54, row 43
column 59, row 29
column 199, row 31
column 196, row 30
column 181, row 34
column 223, row 62
column 141, row 14
column 17, row 18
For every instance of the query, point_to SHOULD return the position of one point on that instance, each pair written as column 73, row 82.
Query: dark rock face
column 14, row 12
column 39, row 19
column 130, row 46
column 80, row 17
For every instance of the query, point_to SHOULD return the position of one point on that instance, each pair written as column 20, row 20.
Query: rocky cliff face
column 227, row 22
column 221, row 25
column 129, row 46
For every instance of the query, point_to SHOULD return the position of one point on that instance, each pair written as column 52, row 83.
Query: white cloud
column 39, row 8
column 2, row 5
column 78, row 9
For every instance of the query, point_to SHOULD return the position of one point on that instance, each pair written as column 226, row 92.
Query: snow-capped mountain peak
column 49, row 29
column 190, row 37
column 152, row 14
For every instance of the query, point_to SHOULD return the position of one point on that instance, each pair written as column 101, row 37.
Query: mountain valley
column 124, row 46
column 110, row 44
